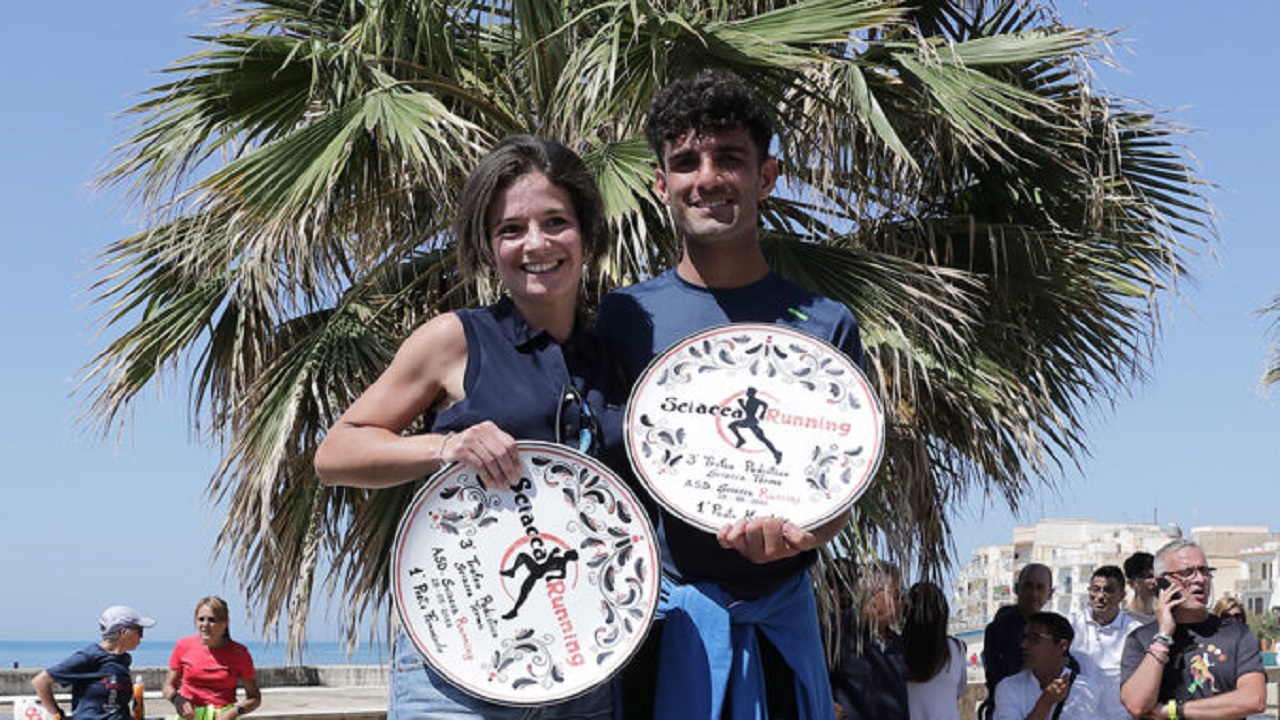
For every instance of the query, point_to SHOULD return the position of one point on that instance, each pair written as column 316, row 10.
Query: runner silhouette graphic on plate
column 553, row 568
column 754, row 409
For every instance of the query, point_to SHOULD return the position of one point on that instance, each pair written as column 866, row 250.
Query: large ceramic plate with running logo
column 744, row 420
column 529, row 595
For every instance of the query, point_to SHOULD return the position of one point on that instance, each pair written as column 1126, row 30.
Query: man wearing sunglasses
column 1053, row 684
column 1189, row 663
column 1101, row 630
column 1139, row 569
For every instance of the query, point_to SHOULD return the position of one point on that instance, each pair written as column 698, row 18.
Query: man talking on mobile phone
column 1188, row 663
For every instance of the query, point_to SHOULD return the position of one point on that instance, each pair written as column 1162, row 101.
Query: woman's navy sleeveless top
column 517, row 378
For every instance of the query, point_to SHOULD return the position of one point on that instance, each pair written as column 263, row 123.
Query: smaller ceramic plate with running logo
column 530, row 595
column 744, row 420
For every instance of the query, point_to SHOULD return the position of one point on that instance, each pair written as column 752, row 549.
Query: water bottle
column 139, row 689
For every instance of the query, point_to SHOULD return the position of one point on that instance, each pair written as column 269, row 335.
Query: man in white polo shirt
column 1054, row 684
column 1100, row 632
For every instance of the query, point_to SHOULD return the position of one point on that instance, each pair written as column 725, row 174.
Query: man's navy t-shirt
column 639, row 322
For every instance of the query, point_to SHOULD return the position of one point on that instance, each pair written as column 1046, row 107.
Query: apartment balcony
column 1255, row 585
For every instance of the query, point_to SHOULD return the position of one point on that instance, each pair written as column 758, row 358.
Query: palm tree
column 1003, row 230
column 1271, row 375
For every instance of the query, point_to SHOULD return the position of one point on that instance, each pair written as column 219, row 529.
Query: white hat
column 118, row 617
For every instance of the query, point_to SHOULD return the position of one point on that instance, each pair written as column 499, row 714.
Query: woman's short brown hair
column 515, row 157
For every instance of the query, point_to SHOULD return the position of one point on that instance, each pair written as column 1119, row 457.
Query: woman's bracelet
column 240, row 710
column 1161, row 660
column 445, row 441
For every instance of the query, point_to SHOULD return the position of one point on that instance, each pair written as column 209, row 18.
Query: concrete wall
column 18, row 682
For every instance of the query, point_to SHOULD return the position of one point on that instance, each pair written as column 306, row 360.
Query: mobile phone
column 1163, row 584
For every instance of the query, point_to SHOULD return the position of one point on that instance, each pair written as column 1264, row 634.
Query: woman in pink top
column 205, row 668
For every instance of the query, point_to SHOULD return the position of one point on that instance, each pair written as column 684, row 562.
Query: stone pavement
column 322, row 703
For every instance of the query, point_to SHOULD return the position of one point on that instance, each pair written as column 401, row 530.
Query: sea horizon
column 31, row 654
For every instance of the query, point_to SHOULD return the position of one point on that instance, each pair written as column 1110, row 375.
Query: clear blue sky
column 87, row 523
column 1199, row 444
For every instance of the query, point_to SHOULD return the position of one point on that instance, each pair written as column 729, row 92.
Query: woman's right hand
column 183, row 706
column 485, row 448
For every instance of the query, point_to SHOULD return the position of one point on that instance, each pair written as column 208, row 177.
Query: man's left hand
column 765, row 540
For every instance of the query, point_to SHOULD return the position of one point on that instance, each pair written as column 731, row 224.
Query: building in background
column 1246, row 558
column 983, row 585
column 1259, row 571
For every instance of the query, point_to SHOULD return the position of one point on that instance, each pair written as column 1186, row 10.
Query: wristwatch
column 1164, row 639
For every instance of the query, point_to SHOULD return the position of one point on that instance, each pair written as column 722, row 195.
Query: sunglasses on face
column 1188, row 573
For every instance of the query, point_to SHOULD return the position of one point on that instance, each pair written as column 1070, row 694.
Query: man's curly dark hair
column 714, row 99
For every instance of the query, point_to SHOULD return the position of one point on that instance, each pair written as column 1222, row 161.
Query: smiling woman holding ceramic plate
column 524, row 368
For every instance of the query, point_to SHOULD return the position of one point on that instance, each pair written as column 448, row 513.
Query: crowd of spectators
column 1147, row 645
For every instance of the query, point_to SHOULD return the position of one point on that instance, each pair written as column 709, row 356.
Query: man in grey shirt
column 1188, row 663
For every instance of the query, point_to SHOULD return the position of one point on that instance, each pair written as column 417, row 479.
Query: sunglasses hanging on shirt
column 576, row 424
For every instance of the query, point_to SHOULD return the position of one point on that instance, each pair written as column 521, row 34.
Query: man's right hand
column 1052, row 694
column 1056, row 691
column 1168, row 599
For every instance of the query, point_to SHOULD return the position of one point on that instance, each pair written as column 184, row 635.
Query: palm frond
column 1004, row 231
column 1271, row 375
